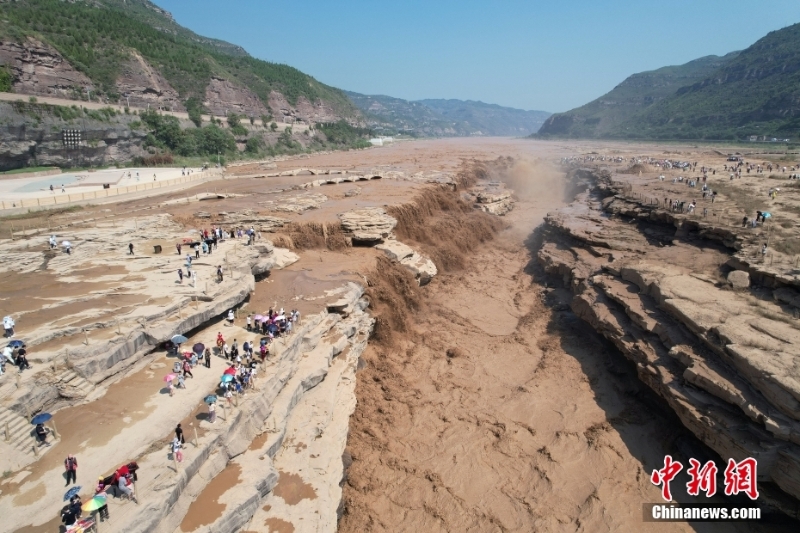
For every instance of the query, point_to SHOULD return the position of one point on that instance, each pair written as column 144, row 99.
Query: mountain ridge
column 445, row 117
column 133, row 48
column 752, row 93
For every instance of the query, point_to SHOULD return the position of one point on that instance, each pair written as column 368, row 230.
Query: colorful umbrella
column 226, row 378
column 71, row 492
column 94, row 504
column 178, row 339
column 230, row 370
column 198, row 348
column 211, row 398
column 169, row 377
column 258, row 317
column 41, row 418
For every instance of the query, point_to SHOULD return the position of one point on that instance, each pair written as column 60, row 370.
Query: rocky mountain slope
column 710, row 328
column 606, row 115
column 753, row 92
column 445, row 118
column 133, row 52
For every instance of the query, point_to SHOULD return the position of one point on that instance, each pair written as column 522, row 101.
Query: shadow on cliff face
column 637, row 414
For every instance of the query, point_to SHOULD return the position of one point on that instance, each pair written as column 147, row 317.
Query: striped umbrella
column 94, row 504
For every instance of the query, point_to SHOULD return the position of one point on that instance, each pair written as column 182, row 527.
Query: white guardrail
column 66, row 198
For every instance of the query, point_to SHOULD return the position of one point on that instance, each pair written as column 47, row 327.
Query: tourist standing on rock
column 100, row 492
column 230, row 321
column 208, row 358
column 220, row 277
column 179, row 434
column 178, row 246
column 71, row 466
column 53, row 242
column 22, row 360
column 180, row 276
column 187, row 370
column 130, row 249
column 249, row 325
column 764, row 251
column 197, row 251
column 8, row 326
column 212, row 412
column 176, row 450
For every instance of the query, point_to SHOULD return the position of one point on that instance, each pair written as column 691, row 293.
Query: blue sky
column 550, row 55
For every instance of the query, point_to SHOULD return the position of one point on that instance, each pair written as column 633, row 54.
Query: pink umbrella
column 258, row 317
column 169, row 377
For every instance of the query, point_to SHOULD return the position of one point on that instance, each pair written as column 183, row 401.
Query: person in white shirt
column 8, row 325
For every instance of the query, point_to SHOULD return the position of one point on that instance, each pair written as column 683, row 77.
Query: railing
column 66, row 198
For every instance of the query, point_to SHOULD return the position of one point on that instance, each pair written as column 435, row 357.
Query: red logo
column 704, row 479
column 739, row 477
column 664, row 476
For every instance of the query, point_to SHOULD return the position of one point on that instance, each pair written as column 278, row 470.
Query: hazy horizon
column 527, row 55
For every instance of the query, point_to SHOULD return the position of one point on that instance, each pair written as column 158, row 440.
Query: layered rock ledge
column 724, row 355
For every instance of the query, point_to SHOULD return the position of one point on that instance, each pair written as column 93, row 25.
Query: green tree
column 273, row 126
column 234, row 120
column 195, row 109
column 6, row 80
column 254, row 145
column 215, row 140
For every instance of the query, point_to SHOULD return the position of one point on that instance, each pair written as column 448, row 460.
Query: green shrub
column 6, row 80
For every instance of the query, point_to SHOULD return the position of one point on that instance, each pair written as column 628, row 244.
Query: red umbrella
column 231, row 371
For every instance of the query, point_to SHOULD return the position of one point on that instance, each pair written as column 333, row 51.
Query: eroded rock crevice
column 722, row 354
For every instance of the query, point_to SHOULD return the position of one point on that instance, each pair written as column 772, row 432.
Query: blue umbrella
column 16, row 344
column 71, row 492
column 226, row 378
column 211, row 398
column 178, row 339
column 41, row 418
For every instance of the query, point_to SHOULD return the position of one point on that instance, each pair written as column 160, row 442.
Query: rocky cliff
column 38, row 69
column 31, row 135
column 673, row 293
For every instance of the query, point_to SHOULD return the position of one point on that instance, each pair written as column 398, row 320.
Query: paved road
column 12, row 97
